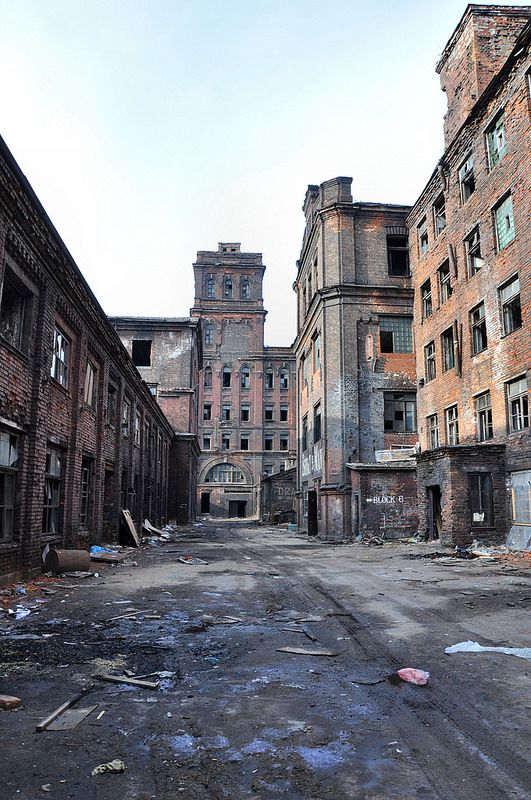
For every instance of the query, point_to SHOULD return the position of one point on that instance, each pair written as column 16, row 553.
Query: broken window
column 268, row 469
column 85, row 493
column 467, row 179
column 433, row 431
column 207, row 378
column 245, row 412
column 207, row 411
column 430, row 369
column 126, row 417
column 396, row 335
column 474, row 261
column 484, row 417
column 210, row 288
column 317, row 423
column 283, row 413
column 284, row 441
column 445, row 286
column 304, row 433
column 269, row 379
column 518, row 403
column 478, row 324
column 425, row 293
column 112, row 394
column 268, row 413
column 244, row 441
column 452, row 426
column 268, row 442
column 439, row 215
column 15, row 306
column 137, row 429
column 400, row 412
column 225, row 412
column 284, row 379
column 397, row 256
column 496, row 143
column 227, row 374
column 141, row 352
column 60, row 357
column 422, row 236
column 481, row 505
column 227, row 288
column 245, row 289
column 52, row 491
column 89, row 390
column 224, row 473
column 8, row 467
column 209, row 334
column 246, row 378
column 317, row 352
column 206, row 442
column 448, row 353
column 504, row 219
column 225, row 441
column 511, row 307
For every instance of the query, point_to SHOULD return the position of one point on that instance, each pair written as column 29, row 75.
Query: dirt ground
column 235, row 718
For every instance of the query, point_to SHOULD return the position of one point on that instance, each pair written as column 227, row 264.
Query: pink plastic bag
column 410, row 675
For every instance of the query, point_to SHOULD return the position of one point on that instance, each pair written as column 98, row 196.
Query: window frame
column 444, row 277
column 404, row 402
column 496, row 144
column 90, row 385
column 400, row 252
column 483, row 412
column 448, row 349
column 465, row 174
column 484, row 494
column 432, row 431
column 472, row 245
column 504, row 238
column 451, row 418
column 53, row 491
column 423, row 241
column 426, row 299
column 430, row 362
column 439, row 215
column 61, row 349
column 478, row 329
column 511, row 303
column 517, row 405
column 401, row 338
column 317, row 423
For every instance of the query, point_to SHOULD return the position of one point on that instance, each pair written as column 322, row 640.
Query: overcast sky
column 151, row 129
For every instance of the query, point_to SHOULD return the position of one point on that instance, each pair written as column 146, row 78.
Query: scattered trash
column 100, row 715
column 70, row 718
column 191, row 560
column 475, row 647
column 96, row 548
column 417, row 676
column 79, row 574
column 111, row 766
column 46, row 787
column 20, row 591
column 151, row 529
column 131, row 613
column 129, row 681
column 9, row 702
column 21, row 612
column 303, row 651
column 41, row 726
column 111, row 556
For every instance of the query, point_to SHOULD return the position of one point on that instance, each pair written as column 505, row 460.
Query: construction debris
column 304, row 651
column 9, row 702
column 129, row 681
column 111, row 766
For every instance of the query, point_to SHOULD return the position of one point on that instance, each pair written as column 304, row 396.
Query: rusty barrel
column 67, row 561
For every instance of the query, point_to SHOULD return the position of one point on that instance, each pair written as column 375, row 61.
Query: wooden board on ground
column 70, row 718
column 130, row 527
column 306, row 651
column 113, row 558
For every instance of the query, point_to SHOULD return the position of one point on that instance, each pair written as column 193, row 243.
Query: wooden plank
column 130, row 681
column 304, row 651
column 71, row 718
column 41, row 726
column 130, row 526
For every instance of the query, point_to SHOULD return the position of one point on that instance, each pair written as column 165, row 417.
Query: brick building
column 246, row 421
column 80, row 434
column 470, row 250
column 168, row 354
column 355, row 364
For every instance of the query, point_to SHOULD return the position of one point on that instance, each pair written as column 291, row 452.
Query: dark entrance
column 312, row 513
column 434, row 512
column 237, row 508
column 205, row 502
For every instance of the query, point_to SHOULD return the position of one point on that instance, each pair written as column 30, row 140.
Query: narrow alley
column 234, row 716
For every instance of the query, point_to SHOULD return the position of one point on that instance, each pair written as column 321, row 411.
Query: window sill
column 15, row 350
column 12, row 544
column 60, row 386
column 505, row 335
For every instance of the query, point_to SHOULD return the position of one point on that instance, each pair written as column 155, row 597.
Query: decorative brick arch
column 234, row 462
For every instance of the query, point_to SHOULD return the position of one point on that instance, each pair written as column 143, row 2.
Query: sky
column 151, row 129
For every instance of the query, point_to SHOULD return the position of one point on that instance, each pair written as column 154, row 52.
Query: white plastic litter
column 474, row 647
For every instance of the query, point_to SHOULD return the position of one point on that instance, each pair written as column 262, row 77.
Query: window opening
column 511, row 307
column 479, row 329
column 141, row 352
column 484, row 417
column 396, row 335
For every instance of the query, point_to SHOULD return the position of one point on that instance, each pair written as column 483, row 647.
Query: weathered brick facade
column 470, row 248
column 246, row 410
column 354, row 348
column 80, row 434
column 168, row 354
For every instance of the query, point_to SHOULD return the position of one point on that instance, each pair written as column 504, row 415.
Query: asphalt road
column 233, row 716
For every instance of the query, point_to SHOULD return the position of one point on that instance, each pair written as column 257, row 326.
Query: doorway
column 434, row 513
column 238, row 508
column 312, row 512
column 205, row 502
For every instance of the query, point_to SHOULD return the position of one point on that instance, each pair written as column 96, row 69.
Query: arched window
column 208, row 378
column 245, row 289
column 210, row 287
column 227, row 288
column 246, row 377
column 209, row 334
column 284, row 379
column 269, row 379
column 227, row 374
column 224, row 473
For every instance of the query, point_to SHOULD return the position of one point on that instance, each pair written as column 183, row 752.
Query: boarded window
column 504, row 219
